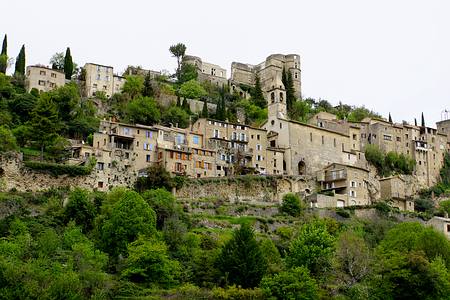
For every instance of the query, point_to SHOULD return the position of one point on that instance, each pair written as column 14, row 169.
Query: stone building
column 235, row 144
column 43, row 78
column 396, row 190
column 441, row 224
column 100, row 78
column 269, row 72
column 207, row 71
column 132, row 70
column 347, row 184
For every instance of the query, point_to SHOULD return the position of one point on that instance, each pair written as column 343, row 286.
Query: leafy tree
column 241, row 259
column 271, row 255
column 445, row 206
column 80, row 209
column 22, row 133
column 163, row 203
column 192, row 90
column 20, row 62
column 149, row 262
column 292, row 205
column 8, row 140
column 255, row 115
column 301, row 111
column 57, row 61
column 157, row 177
column 68, row 64
column 4, row 55
column 148, row 88
column 84, row 120
column 178, row 51
column 21, row 106
column 445, row 170
column 312, row 248
column 133, row 85
column 204, row 113
column 290, row 91
column 188, row 72
column 67, row 98
column 175, row 116
column 353, row 260
column 59, row 149
column 293, row 284
column 359, row 113
column 45, row 123
column 142, row 110
column 129, row 217
column 257, row 95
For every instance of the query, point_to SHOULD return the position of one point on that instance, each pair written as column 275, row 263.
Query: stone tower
column 276, row 100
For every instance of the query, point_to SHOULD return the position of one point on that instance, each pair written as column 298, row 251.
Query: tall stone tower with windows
column 276, row 100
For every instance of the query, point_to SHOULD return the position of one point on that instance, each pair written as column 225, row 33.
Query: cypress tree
column 415, row 122
column 68, row 64
column 204, row 113
column 148, row 88
column 390, row 118
column 423, row 120
column 20, row 62
column 185, row 106
column 258, row 96
column 284, row 78
column 4, row 56
column 290, row 91
column 178, row 101
column 5, row 45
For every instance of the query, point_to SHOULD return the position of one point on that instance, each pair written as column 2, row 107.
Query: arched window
column 281, row 97
column 301, row 168
column 272, row 97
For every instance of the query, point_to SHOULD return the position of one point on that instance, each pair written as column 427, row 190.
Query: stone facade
column 270, row 72
column 441, row 224
column 397, row 189
column 207, row 71
column 100, row 78
column 43, row 78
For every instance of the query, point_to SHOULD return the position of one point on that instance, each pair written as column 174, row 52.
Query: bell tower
column 277, row 101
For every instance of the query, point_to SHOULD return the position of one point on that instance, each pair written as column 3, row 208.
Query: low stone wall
column 247, row 189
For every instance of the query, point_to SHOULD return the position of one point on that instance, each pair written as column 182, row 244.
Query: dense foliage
column 389, row 163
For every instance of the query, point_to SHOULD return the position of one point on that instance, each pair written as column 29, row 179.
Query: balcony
column 335, row 175
column 182, row 148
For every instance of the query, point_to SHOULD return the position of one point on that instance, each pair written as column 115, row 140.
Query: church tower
column 276, row 103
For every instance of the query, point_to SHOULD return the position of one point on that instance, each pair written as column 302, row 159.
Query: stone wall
column 247, row 189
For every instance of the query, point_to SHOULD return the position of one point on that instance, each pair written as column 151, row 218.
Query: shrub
column 292, row 205
column 61, row 169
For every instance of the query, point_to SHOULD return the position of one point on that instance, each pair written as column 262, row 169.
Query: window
column 258, row 157
column 149, row 134
column 195, row 139
column 295, row 75
column 353, row 184
column 233, row 136
column 100, row 184
column 100, row 166
column 180, row 139
column 387, row 137
column 147, row 158
column 94, row 85
column 354, row 137
column 41, row 82
column 126, row 131
column 334, row 142
column 98, row 77
column 107, row 77
column 53, row 75
column 353, row 194
column 281, row 125
column 42, row 73
column 258, row 137
column 310, row 136
column 216, row 133
column 243, row 137
column 99, row 68
column 323, row 140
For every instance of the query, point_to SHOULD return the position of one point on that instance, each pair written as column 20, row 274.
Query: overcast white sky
column 389, row 55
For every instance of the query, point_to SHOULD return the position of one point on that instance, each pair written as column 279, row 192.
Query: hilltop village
column 330, row 150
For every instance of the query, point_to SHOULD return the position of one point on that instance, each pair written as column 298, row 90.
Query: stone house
column 441, row 224
column 43, row 78
column 213, row 73
column 347, row 184
column 395, row 189
column 100, row 78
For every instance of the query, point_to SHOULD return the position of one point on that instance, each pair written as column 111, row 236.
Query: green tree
column 301, row 111
column 80, row 209
column 178, row 51
column 142, row 110
column 292, row 205
column 129, row 217
column 445, row 206
column 8, row 140
column 22, row 133
column 192, row 90
column 148, row 91
column 175, row 116
column 188, row 72
column 290, row 91
column 157, row 177
column 204, row 113
column 445, row 170
column 241, row 260
column 57, row 61
column 312, row 248
column 21, row 106
column 4, row 55
column 45, row 123
column 133, row 85
column 257, row 95
column 148, row 262
column 20, row 62
column 163, row 203
column 68, row 64
column 293, row 284
column 423, row 121
column 59, row 149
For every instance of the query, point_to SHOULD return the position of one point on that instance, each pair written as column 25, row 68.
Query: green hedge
column 60, row 169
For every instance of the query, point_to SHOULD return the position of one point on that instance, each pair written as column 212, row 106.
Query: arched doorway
column 301, row 168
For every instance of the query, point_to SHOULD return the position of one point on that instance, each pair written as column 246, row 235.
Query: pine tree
column 415, row 122
column 290, row 91
column 241, row 259
column 4, row 56
column 258, row 96
column 204, row 113
column 148, row 88
column 390, row 118
column 423, row 120
column 20, row 62
column 68, row 64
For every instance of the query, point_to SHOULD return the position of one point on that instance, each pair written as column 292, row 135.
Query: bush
column 157, row 177
column 292, row 205
column 61, row 169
